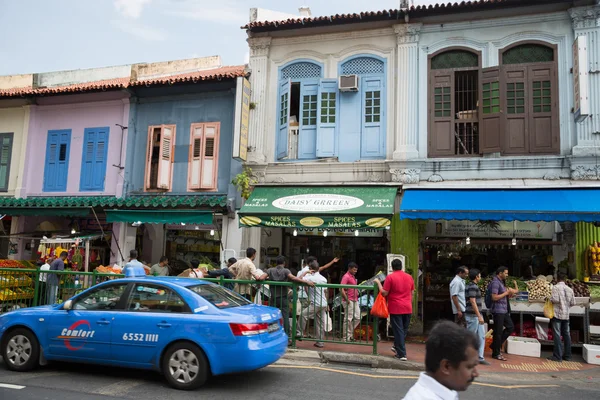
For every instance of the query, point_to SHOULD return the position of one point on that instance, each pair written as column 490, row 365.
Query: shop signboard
column 337, row 232
column 320, row 207
column 491, row 229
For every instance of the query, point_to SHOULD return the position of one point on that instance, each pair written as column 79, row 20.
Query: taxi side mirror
column 68, row 305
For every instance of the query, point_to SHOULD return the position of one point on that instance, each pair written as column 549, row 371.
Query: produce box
column 591, row 354
column 582, row 300
column 594, row 330
column 523, row 346
column 577, row 310
column 595, row 305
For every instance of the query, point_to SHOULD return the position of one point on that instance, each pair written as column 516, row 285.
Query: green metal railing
column 313, row 314
column 312, row 317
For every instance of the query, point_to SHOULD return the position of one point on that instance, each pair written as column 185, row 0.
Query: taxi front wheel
column 20, row 350
column 184, row 366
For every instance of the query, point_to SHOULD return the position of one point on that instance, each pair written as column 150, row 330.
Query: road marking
column 118, row 387
column 9, row 386
column 406, row 377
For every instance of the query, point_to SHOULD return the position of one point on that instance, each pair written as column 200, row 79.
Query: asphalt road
column 286, row 380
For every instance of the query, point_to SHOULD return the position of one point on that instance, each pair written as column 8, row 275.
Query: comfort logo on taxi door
column 79, row 332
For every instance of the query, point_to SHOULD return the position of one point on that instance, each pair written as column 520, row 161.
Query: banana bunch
column 594, row 258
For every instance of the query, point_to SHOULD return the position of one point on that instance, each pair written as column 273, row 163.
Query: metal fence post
column 375, row 321
column 36, row 289
column 221, row 280
column 94, row 277
column 294, row 312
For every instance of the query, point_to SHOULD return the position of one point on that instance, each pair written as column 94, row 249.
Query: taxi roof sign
column 134, row 272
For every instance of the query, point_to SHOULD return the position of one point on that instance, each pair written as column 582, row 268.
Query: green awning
column 160, row 216
column 146, row 201
column 352, row 207
column 44, row 212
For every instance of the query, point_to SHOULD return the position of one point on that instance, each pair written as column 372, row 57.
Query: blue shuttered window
column 57, row 160
column 327, row 118
column 6, row 143
column 93, row 164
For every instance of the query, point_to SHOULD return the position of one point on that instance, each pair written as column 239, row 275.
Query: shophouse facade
column 476, row 95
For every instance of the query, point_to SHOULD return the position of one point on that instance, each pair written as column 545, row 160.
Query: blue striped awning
column 502, row 204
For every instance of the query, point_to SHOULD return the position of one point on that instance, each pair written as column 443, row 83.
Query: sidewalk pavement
column 363, row 355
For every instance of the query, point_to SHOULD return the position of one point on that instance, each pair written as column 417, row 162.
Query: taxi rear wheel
column 20, row 350
column 185, row 366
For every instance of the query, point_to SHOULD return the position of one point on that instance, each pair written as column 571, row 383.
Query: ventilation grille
column 362, row 66
column 301, row 70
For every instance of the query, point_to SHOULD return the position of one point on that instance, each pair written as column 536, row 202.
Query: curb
column 333, row 357
column 370, row 361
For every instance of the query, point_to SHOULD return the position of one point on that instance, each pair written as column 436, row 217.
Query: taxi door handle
column 103, row 322
column 163, row 325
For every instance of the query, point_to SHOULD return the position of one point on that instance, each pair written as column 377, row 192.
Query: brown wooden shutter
column 165, row 159
column 515, row 105
column 490, row 111
column 441, row 108
column 543, row 109
column 210, row 156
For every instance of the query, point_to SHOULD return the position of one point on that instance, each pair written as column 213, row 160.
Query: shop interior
column 368, row 249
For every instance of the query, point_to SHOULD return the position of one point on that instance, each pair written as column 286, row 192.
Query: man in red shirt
column 350, row 303
column 398, row 287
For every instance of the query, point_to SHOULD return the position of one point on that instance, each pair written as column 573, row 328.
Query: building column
column 407, row 92
column 586, row 23
column 259, row 68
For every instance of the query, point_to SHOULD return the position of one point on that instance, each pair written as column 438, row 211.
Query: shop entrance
column 368, row 250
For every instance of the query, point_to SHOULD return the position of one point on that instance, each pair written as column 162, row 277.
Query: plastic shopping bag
column 380, row 307
column 549, row 309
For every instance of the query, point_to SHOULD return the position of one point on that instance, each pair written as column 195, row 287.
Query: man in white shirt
column 457, row 295
column 451, row 359
column 317, row 296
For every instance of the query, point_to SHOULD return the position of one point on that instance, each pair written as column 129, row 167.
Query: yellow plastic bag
column 549, row 309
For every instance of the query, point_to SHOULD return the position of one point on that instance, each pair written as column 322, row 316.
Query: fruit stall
column 530, row 301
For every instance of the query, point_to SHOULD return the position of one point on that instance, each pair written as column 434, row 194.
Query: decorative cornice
column 259, row 47
column 332, row 37
column 406, row 176
column 407, row 33
column 585, row 17
column 495, row 22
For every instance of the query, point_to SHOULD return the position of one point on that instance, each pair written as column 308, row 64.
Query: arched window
column 454, row 59
column 528, row 53
column 362, row 66
column 301, row 70
column 454, row 98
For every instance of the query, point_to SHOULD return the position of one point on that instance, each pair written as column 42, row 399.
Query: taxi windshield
column 219, row 296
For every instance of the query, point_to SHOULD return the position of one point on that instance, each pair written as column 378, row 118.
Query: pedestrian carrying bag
column 488, row 297
column 380, row 307
column 549, row 309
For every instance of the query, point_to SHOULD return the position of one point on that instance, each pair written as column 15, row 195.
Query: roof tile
column 206, row 75
column 394, row 14
column 103, row 85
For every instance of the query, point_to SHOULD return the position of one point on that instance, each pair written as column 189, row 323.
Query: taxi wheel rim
column 18, row 350
column 184, row 366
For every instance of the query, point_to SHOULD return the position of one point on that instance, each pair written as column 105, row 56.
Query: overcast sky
column 54, row 35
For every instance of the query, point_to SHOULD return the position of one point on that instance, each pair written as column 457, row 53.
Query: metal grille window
column 491, row 97
column 328, row 108
column 301, row 70
column 542, row 96
column 309, row 107
column 528, row 53
column 515, row 98
column 373, row 106
column 443, row 104
column 455, row 59
column 284, row 109
column 362, row 65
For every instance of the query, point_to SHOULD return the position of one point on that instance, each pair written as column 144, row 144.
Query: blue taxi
column 188, row 329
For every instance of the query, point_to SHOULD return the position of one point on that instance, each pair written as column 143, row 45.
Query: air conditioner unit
column 348, row 83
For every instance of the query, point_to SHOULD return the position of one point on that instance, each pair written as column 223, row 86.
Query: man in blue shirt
column 136, row 267
column 503, row 325
column 53, row 279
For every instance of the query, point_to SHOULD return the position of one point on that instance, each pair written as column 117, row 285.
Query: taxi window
column 219, row 296
column 152, row 298
column 103, row 298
